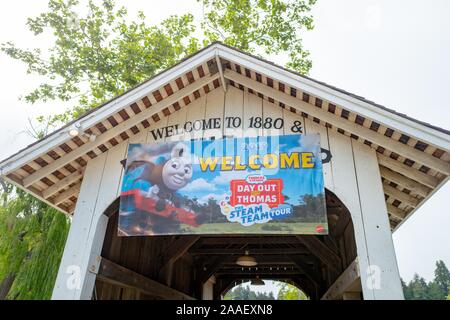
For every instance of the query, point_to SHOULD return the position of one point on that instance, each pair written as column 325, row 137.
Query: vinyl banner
column 262, row 185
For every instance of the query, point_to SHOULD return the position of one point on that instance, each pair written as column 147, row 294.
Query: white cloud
column 198, row 185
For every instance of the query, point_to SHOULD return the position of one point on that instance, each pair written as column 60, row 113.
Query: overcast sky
column 396, row 53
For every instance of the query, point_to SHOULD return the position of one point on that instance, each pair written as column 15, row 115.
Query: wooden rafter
column 363, row 132
column 409, row 172
column 67, row 194
column 322, row 251
column 73, row 177
column 404, row 181
column 399, row 195
column 113, row 273
column 121, row 127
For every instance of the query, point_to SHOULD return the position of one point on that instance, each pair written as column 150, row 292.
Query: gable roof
column 414, row 156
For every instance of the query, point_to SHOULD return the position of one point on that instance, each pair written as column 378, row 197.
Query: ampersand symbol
column 297, row 127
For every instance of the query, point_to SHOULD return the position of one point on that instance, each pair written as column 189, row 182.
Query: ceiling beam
column 115, row 274
column 409, row 172
column 363, row 132
column 175, row 251
column 256, row 251
column 71, row 178
column 247, row 240
column 396, row 211
column 115, row 131
column 404, row 181
column 347, row 280
column 67, row 194
column 322, row 252
column 309, row 272
column 222, row 78
column 399, row 195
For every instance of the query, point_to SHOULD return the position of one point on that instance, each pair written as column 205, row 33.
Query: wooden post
column 100, row 187
column 384, row 277
column 208, row 289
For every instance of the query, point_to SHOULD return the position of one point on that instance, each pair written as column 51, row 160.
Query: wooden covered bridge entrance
column 204, row 267
column 384, row 165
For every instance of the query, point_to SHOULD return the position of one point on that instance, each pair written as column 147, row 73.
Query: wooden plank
column 74, row 251
column 346, row 189
column 397, row 194
column 73, row 177
column 252, row 110
column 396, row 211
column 177, row 119
column 385, row 277
column 175, row 251
column 255, row 251
column 321, row 251
column 215, row 102
column 60, row 198
column 195, row 112
column 363, row 132
column 404, row 181
column 248, row 240
column 234, row 107
column 345, row 280
column 273, row 114
column 125, row 125
column 113, row 273
column 409, row 172
column 107, row 195
column 307, row 270
column 222, row 78
column 152, row 135
column 179, row 247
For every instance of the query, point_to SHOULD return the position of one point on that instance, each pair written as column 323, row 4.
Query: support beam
column 211, row 269
column 222, row 78
column 121, row 127
column 67, row 194
column 256, row 251
column 227, row 240
column 404, row 181
column 396, row 211
column 345, row 282
column 261, row 273
column 175, row 251
column 363, row 132
column 322, row 252
column 409, row 172
column 115, row 274
column 71, row 178
column 399, row 195
column 307, row 270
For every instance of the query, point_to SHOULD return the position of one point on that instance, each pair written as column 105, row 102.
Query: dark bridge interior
column 176, row 267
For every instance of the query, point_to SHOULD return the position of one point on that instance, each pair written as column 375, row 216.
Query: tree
column 442, row 278
column 98, row 56
column 243, row 292
column 271, row 25
column 102, row 54
column 32, row 238
column 290, row 292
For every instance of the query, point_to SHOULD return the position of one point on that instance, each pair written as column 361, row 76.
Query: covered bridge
column 384, row 166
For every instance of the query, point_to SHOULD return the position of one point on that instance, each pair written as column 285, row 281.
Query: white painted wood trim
column 346, row 125
column 382, row 274
column 112, row 107
column 350, row 103
column 39, row 174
